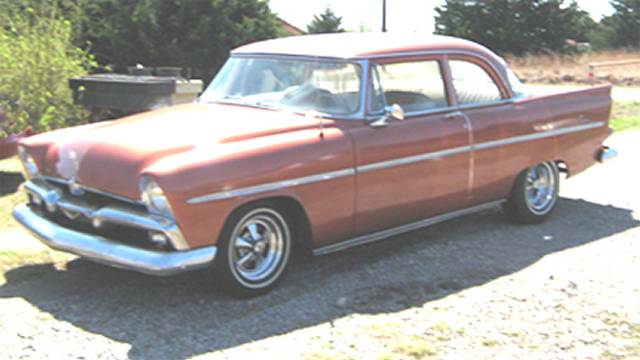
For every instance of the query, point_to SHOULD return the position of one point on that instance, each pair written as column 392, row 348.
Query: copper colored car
column 314, row 143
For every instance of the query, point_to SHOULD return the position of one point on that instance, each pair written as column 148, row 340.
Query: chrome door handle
column 453, row 116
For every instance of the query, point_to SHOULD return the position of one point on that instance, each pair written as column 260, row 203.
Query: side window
column 473, row 84
column 415, row 86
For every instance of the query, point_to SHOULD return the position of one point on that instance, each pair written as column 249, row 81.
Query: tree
column 326, row 22
column 188, row 33
column 37, row 57
column 624, row 25
column 515, row 26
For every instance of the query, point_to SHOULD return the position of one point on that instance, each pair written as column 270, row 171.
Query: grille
column 100, row 214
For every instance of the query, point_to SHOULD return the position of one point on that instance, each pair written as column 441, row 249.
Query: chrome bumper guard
column 109, row 252
column 607, row 154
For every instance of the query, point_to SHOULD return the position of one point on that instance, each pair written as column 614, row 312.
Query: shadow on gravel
column 185, row 315
column 9, row 182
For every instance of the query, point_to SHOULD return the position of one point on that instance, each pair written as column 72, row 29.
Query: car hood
column 110, row 156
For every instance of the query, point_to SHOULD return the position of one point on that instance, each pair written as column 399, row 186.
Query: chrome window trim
column 363, row 64
column 451, row 108
column 365, row 78
column 443, row 52
column 271, row 186
column 369, row 238
column 388, row 164
column 440, row 62
column 366, row 61
column 485, row 104
column 504, row 80
column 434, row 111
column 295, row 56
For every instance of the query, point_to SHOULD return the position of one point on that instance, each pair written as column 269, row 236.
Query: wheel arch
column 294, row 212
column 563, row 167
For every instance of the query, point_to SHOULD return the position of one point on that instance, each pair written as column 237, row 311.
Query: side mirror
column 395, row 111
column 390, row 112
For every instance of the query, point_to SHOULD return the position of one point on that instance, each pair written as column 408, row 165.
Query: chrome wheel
column 259, row 248
column 541, row 188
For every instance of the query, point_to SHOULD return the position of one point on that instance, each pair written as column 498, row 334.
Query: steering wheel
column 310, row 95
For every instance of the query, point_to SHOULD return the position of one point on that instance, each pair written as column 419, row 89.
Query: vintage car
column 314, row 143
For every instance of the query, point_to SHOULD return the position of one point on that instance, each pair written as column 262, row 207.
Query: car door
column 484, row 98
column 418, row 167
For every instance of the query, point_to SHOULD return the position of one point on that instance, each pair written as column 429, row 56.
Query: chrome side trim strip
column 413, row 159
column 389, row 164
column 365, row 239
column 271, row 186
column 482, row 146
column 105, row 251
column 538, row 135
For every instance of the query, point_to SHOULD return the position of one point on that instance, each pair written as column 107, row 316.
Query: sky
column 402, row 15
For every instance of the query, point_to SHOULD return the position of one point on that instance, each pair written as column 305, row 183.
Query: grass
column 489, row 342
column 554, row 68
column 620, row 327
column 413, row 347
column 626, row 116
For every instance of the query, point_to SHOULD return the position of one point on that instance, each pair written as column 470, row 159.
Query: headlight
column 153, row 197
column 28, row 163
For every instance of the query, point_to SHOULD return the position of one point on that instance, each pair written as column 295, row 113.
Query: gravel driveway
column 476, row 287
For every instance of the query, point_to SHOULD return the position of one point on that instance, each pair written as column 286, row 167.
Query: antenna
column 384, row 15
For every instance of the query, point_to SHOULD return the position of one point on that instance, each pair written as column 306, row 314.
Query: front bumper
column 109, row 252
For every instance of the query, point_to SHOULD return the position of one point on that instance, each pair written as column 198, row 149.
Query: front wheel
column 254, row 250
column 534, row 194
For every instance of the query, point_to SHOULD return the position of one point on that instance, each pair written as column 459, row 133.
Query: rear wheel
column 534, row 194
column 254, row 250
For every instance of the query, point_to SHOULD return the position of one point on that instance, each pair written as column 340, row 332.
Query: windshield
column 331, row 88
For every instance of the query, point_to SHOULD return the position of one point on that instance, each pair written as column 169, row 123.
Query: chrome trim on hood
column 90, row 189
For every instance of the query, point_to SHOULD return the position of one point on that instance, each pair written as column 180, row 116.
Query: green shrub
column 37, row 57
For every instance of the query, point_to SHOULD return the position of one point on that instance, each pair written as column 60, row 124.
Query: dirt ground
column 557, row 69
column 477, row 287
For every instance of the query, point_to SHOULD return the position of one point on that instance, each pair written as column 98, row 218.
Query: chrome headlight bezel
column 153, row 197
column 29, row 165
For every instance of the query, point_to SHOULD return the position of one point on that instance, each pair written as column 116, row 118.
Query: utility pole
column 384, row 15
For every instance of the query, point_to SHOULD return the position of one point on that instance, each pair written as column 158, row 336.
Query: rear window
column 473, row 85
